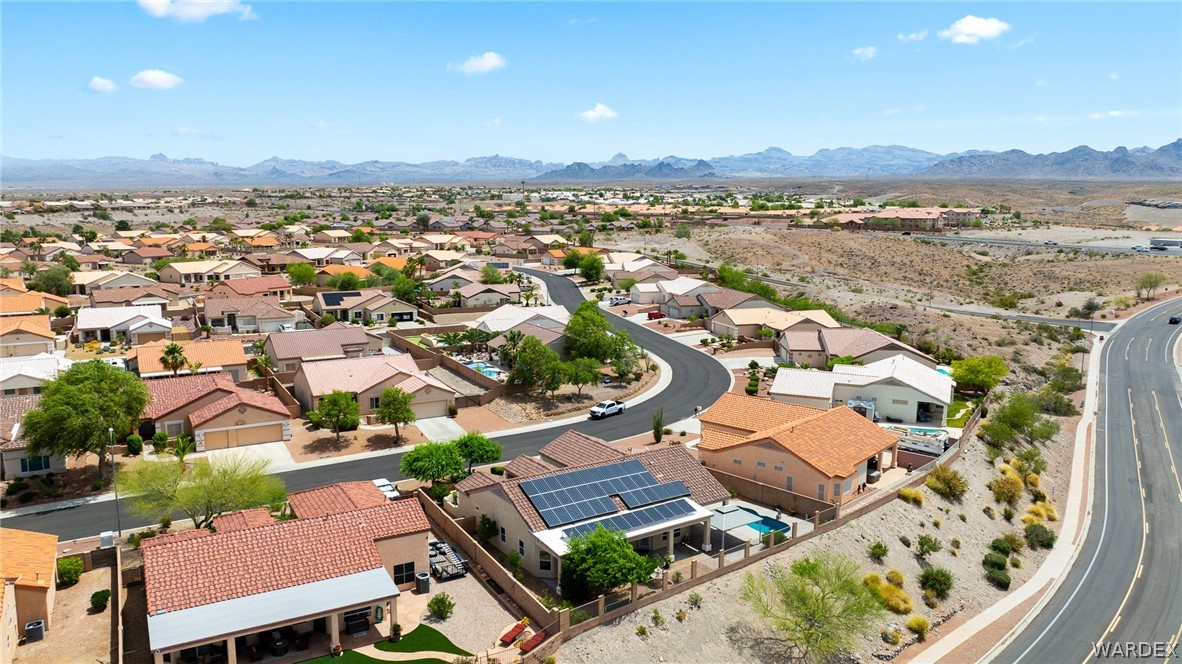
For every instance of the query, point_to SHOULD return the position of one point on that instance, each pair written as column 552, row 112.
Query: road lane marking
column 1112, row 625
column 1165, row 436
column 1128, row 347
column 1148, row 343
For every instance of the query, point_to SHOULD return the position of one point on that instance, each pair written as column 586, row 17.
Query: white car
column 606, row 408
column 1051, row 243
column 618, row 300
column 1141, row 249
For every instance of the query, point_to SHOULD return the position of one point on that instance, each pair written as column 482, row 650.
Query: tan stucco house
column 366, row 377
column 214, row 411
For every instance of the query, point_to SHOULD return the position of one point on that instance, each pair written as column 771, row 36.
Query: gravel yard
column 479, row 619
column 76, row 633
column 725, row 629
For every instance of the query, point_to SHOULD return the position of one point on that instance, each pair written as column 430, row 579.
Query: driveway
column 440, row 428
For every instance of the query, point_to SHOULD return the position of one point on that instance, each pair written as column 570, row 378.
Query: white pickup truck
column 606, row 408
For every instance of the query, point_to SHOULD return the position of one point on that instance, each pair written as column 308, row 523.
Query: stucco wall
column 805, row 478
column 405, row 549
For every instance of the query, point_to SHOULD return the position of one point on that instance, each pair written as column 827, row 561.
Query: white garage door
column 429, row 409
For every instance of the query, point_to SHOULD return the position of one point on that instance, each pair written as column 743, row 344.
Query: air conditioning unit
column 34, row 631
column 106, row 539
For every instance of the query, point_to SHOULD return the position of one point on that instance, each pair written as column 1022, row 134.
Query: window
column 676, row 534
column 761, row 464
column 174, row 429
column 34, row 465
column 836, row 489
column 502, row 533
column 820, row 492
column 358, row 314
column 373, row 402
column 738, row 462
column 520, row 548
column 778, row 469
column 544, row 561
column 404, row 573
column 849, row 484
column 788, row 483
column 900, row 402
column 379, row 316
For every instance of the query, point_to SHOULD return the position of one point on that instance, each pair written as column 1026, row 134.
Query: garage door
column 403, row 315
column 429, row 409
column 217, row 440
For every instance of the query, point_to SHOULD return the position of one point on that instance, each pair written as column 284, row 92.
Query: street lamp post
column 114, row 479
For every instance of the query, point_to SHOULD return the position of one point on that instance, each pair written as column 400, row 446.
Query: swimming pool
column 766, row 524
column 491, row 372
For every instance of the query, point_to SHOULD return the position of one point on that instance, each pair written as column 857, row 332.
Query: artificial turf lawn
column 423, row 638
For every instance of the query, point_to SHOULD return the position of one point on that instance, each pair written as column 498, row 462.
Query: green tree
column 536, row 364
column 451, row 339
column 338, row 410
column 591, row 269
column 979, row 373
column 658, row 425
column 62, row 311
column 581, row 372
column 432, row 462
column 345, row 281
column 512, row 344
column 122, row 225
column 682, row 231
column 1149, row 282
column 601, row 560
column 422, row 220
column 69, row 262
column 844, row 359
column 78, row 407
column 219, row 224
column 395, row 408
column 477, row 448
column 301, row 274
column 489, row 274
column 1018, row 417
column 202, row 490
column 173, row 358
column 588, row 333
column 56, row 280
column 819, row 605
column 572, row 259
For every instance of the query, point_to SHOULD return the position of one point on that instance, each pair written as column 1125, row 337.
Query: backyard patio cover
column 211, row 622
column 729, row 517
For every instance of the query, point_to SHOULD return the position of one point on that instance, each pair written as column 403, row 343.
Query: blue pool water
column 766, row 524
column 491, row 372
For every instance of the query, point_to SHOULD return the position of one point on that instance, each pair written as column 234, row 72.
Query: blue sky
column 239, row 81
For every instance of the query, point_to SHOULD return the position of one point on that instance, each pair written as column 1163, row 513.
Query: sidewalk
column 969, row 640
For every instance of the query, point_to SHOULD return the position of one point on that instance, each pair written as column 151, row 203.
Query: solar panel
column 333, row 299
column 640, row 518
column 654, row 494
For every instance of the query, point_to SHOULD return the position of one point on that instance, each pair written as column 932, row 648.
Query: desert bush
column 1044, row 511
column 947, row 482
column 878, row 550
column 1001, row 546
column 994, row 560
column 936, row 523
column 895, row 578
column 1039, row 536
column 910, row 495
column 892, row 597
column 919, row 626
column 937, row 580
column 1032, row 480
column 69, row 570
column 657, row 618
column 16, row 487
column 99, row 600
column 441, row 606
column 1014, row 539
column 641, row 631
column 988, row 510
column 955, row 542
column 1015, row 562
column 1007, row 514
column 927, row 545
column 999, row 578
column 680, row 615
column 892, row 637
column 929, row 599
column 695, row 600
column 1007, row 488
column 135, row 445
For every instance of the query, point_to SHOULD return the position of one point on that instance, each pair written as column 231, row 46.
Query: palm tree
column 173, row 358
column 182, row 447
column 451, row 339
column 475, row 337
column 508, row 352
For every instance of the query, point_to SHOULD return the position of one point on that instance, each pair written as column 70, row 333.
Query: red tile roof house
column 213, row 410
column 335, row 570
column 367, row 377
column 541, row 535
column 273, row 285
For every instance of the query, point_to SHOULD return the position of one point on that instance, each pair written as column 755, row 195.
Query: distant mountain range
column 873, row 161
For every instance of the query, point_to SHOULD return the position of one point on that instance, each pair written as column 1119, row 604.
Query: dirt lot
column 567, row 400
column 76, row 634
column 308, row 443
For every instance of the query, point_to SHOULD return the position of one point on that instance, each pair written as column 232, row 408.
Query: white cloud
column 155, row 79
column 196, row 133
column 913, row 36
column 891, row 111
column 865, row 52
column 1019, row 44
column 582, row 21
column 1040, row 119
column 493, row 122
column 319, row 124
column 972, row 29
column 1040, row 82
column 599, row 111
column 1114, row 76
column 918, row 108
column 480, row 64
column 100, row 84
column 1113, row 114
column 196, row 10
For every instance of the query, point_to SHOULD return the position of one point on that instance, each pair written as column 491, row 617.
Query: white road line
column 1166, row 439
column 1128, row 347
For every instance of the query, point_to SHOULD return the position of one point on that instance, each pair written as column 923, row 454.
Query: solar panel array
column 635, row 519
column 585, row 494
column 333, row 299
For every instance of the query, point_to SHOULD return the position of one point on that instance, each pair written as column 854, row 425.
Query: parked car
column 606, row 408
column 617, row 300
column 1051, row 243
column 1174, row 320
column 656, row 315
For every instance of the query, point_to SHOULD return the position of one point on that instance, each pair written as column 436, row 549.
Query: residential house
column 363, row 249
column 206, row 272
column 12, row 286
column 530, row 507
column 897, row 389
column 270, row 264
column 112, row 248
column 333, row 272
column 816, row 348
column 451, row 280
column 389, row 262
column 823, row 454
column 22, row 336
column 438, row 259
column 661, row 291
column 248, row 315
column 372, row 304
column 729, row 298
column 313, row 579
column 27, row 374
column 511, row 315
column 906, row 219
column 321, row 256
column 956, row 217
column 94, row 262
column 489, row 295
column 330, row 236
column 166, row 296
column 201, row 250
column 514, row 246
column 85, row 282
column 14, row 459
column 749, row 321
column 145, row 255
column 214, row 411
column 137, row 325
column 30, row 303
column 366, row 377
column 28, row 569
column 444, row 241
column 205, row 356
column 266, row 286
column 554, row 337
column 288, row 350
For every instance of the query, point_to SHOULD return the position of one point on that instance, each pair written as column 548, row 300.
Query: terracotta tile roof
column 174, row 537
column 199, row 246
column 335, row 498
column 337, row 270
column 240, row 398
column 524, row 466
column 223, row 353
column 151, row 252
column 357, row 374
column 330, row 341
column 741, row 414
column 478, row 480
column 259, row 516
column 261, row 307
column 38, row 325
column 127, row 294
column 834, row 442
column 578, row 449
column 168, row 394
column 30, row 302
column 260, row 242
column 197, row 571
column 392, row 262
column 256, row 285
column 12, row 411
column 802, row 341
column 13, row 283
column 30, row 558
column 725, row 298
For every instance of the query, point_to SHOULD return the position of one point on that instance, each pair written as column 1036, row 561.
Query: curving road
column 1126, row 583
column 697, row 380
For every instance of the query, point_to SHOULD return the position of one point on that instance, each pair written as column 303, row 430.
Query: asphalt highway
column 1040, row 245
column 1126, row 584
column 698, row 380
